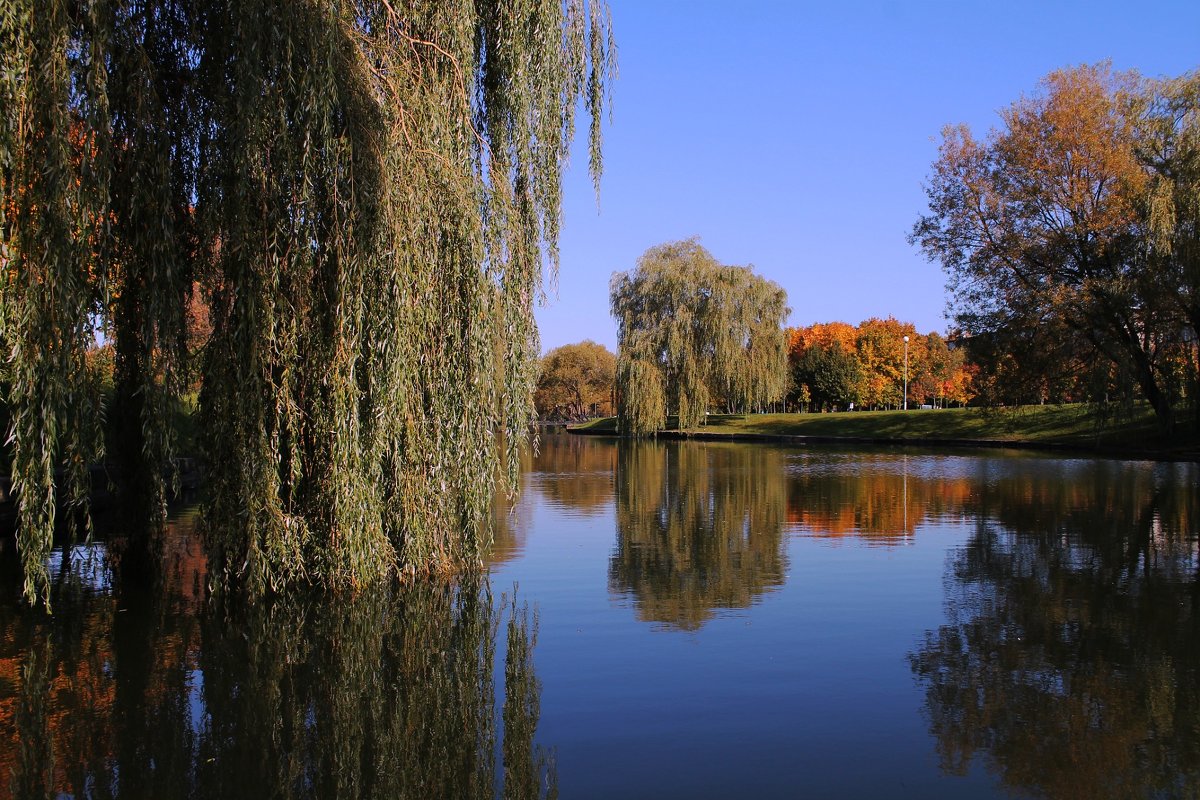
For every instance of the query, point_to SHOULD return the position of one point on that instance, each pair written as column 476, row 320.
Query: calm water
column 689, row 621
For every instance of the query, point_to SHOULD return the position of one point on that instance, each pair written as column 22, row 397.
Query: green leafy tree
column 691, row 330
column 832, row 376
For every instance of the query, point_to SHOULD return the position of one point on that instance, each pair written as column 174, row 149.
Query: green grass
column 1077, row 425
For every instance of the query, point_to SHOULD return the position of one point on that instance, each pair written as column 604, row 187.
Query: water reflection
column 574, row 472
column 877, row 498
column 1070, row 660
column 699, row 528
column 391, row 693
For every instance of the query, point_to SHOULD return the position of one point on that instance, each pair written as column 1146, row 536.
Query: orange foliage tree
column 1077, row 214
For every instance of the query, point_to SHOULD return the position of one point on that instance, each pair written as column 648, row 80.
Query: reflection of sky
column 807, row 692
column 802, row 689
column 88, row 564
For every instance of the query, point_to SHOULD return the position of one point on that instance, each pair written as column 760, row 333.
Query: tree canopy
column 836, row 364
column 575, row 380
column 693, row 332
column 1079, row 213
column 366, row 194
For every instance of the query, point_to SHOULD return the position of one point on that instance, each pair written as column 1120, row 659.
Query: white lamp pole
column 906, row 373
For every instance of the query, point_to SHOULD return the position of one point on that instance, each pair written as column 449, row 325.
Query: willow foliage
column 53, row 123
column 366, row 193
column 693, row 333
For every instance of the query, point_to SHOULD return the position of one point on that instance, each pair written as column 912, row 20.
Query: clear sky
column 795, row 136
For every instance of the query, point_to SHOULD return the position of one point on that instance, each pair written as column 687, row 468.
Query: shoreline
column 1066, row 448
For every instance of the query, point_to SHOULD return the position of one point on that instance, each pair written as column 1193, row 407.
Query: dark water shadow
column 1069, row 664
column 419, row 691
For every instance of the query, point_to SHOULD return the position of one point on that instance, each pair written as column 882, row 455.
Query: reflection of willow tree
column 1071, row 659
column 879, row 500
column 575, row 472
column 389, row 694
column 393, row 697
column 698, row 528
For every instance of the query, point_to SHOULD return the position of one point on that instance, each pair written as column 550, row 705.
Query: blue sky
column 795, row 137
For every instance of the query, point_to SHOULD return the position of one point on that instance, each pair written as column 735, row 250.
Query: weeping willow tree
column 366, row 193
column 692, row 333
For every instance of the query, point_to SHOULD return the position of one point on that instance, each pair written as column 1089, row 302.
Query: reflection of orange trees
column 1070, row 662
column 878, row 500
column 698, row 528
column 113, row 661
column 575, row 472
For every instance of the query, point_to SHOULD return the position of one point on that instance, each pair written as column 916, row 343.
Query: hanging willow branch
column 367, row 194
column 53, row 200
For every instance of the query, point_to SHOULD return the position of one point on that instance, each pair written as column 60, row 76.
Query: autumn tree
column 1069, row 212
column 575, row 380
column 943, row 375
column 691, row 330
column 368, row 193
column 881, row 353
column 823, row 334
column 838, row 363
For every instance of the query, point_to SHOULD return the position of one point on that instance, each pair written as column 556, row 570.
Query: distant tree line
column 835, row 364
column 696, row 336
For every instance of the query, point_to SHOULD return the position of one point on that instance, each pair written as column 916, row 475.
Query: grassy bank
column 1075, row 426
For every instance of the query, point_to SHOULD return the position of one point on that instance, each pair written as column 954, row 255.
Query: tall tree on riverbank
column 692, row 331
column 1078, row 212
column 369, row 193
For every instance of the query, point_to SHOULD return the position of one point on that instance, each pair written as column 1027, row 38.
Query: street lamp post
column 906, row 373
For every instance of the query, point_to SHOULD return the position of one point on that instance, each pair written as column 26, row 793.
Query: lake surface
column 664, row 620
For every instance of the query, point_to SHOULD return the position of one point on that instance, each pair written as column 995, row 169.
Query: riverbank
column 1074, row 428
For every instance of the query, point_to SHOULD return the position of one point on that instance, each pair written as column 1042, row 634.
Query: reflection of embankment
column 1070, row 660
column 880, row 498
column 575, row 472
column 391, row 693
column 699, row 528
